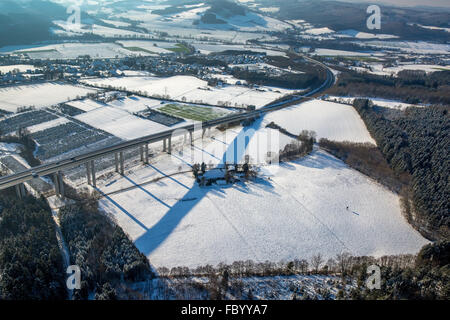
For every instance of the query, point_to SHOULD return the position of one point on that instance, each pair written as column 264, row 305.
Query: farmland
column 329, row 120
column 193, row 90
column 191, row 112
column 37, row 95
column 102, row 114
column 266, row 214
column 75, row 50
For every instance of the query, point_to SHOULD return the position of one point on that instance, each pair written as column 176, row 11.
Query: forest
column 417, row 143
column 288, row 81
column 343, row 15
column 310, row 75
column 367, row 159
column 427, row 279
column 422, row 277
column 31, row 265
column 409, row 87
column 104, row 253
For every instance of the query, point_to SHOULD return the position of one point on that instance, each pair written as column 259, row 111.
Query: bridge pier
column 94, row 179
column 146, row 154
column 122, row 166
column 59, row 184
column 170, row 146
column 191, row 137
column 116, row 159
column 90, row 170
column 164, row 145
column 141, row 152
column 203, row 133
column 21, row 191
column 88, row 173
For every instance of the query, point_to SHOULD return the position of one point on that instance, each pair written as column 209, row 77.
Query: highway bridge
column 88, row 159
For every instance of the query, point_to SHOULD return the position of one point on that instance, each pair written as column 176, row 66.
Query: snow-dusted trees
column 416, row 142
column 101, row 249
column 316, row 262
column 31, row 267
column 343, row 262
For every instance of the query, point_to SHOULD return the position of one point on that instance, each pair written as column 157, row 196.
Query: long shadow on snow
column 156, row 235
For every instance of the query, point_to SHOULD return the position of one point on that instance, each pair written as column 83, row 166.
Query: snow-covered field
column 152, row 46
column 69, row 30
column 9, row 148
column 329, row 120
column 435, row 28
column 74, row 50
column 39, row 95
column 194, row 90
column 18, row 67
column 422, row 67
column 130, row 104
column 207, row 48
column 376, row 101
column 237, row 37
column 47, row 125
column 120, row 123
column 294, row 210
column 419, row 47
column 250, row 22
column 117, row 117
column 319, row 31
column 335, row 53
column 364, row 35
column 378, row 68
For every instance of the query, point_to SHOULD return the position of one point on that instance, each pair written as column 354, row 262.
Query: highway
column 58, row 166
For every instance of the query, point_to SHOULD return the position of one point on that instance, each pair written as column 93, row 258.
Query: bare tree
column 343, row 262
column 316, row 262
column 304, row 266
column 331, row 263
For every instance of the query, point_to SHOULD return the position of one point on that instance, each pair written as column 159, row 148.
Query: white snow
column 152, row 46
column 422, row 67
column 74, row 50
column 331, row 52
column 207, row 48
column 120, row 123
column 319, row 31
column 39, row 95
column 85, row 105
column 9, row 148
column 376, row 101
column 365, row 35
column 19, row 67
column 194, row 90
column 329, row 120
column 435, row 28
column 116, row 23
column 419, row 47
column 135, row 104
column 102, row 31
column 47, row 125
column 300, row 211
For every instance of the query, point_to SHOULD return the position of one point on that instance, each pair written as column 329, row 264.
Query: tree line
column 104, row 253
column 31, row 265
column 417, row 143
column 427, row 279
column 422, row 277
column 410, row 87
